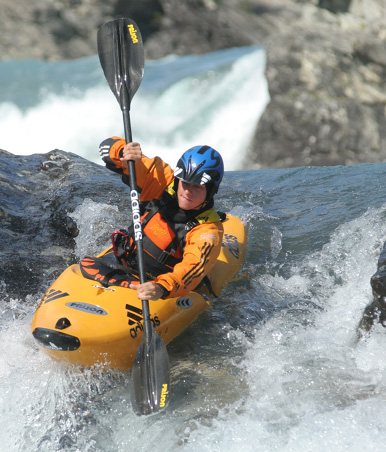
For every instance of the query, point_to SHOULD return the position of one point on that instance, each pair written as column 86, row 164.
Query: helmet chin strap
column 201, row 206
column 208, row 203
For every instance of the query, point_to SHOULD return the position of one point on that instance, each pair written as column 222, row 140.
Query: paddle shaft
column 147, row 326
column 136, row 221
column 120, row 50
column 124, row 97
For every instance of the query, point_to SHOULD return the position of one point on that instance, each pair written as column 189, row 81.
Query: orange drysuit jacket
column 203, row 242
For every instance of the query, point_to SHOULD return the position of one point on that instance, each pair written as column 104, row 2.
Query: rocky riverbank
column 326, row 62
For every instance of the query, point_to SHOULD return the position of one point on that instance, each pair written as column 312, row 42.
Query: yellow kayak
column 85, row 322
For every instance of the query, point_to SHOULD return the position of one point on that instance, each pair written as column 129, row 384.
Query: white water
column 300, row 382
column 214, row 99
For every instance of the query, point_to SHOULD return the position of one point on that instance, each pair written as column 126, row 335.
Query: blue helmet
column 201, row 165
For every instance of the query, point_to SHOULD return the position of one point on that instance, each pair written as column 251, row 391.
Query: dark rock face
column 326, row 62
column 66, row 29
column 38, row 192
column 196, row 27
column 335, row 6
column 375, row 312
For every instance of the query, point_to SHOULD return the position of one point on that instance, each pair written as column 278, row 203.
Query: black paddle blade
column 150, row 378
column 121, row 56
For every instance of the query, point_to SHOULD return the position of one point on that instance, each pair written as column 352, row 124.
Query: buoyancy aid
column 163, row 234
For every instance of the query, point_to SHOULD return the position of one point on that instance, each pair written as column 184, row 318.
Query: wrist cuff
column 165, row 292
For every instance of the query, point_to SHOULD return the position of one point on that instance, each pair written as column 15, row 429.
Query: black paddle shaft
column 137, row 226
column 121, row 55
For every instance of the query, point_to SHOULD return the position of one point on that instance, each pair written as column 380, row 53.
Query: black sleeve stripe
column 198, row 269
column 204, row 251
column 104, row 150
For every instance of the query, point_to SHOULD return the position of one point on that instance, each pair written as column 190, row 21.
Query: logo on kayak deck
column 133, row 33
column 86, row 307
column 233, row 245
column 52, row 294
column 134, row 314
column 184, row 302
column 135, row 318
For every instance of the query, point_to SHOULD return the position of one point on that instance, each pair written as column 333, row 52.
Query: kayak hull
column 83, row 322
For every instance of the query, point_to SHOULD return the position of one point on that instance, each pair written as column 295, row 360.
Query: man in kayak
column 182, row 233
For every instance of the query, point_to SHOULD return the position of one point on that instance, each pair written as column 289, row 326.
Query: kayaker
column 182, row 232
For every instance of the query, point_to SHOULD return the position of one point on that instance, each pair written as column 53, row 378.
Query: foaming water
column 311, row 385
column 213, row 99
column 274, row 365
column 47, row 406
column 96, row 222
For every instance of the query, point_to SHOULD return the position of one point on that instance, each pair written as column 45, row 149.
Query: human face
column 190, row 196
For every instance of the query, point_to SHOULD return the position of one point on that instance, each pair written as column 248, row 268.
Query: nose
column 187, row 187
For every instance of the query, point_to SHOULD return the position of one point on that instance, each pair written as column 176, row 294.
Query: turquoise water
column 213, row 99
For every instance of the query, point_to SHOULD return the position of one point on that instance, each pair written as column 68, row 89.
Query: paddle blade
column 150, row 378
column 121, row 55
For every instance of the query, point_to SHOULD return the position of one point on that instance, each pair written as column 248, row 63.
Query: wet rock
column 375, row 312
column 39, row 193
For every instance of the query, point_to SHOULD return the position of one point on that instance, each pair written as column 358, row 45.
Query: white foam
column 219, row 107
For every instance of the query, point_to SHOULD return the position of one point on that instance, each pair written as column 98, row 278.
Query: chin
column 185, row 207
